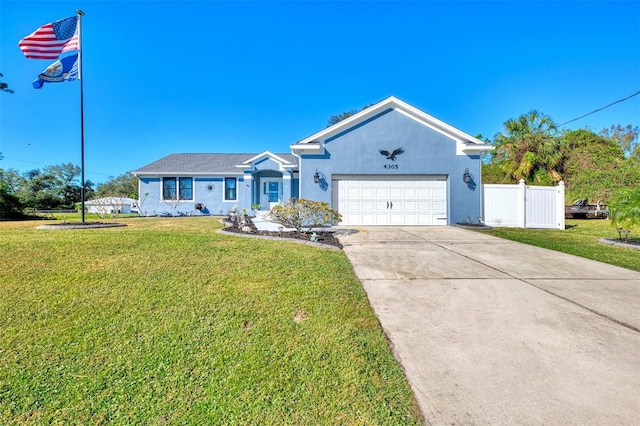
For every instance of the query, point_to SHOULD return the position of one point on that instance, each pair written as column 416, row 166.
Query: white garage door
column 397, row 200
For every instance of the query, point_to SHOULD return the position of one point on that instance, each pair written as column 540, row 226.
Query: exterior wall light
column 466, row 178
column 316, row 177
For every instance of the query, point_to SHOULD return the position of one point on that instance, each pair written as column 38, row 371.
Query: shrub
column 301, row 213
column 10, row 205
column 625, row 208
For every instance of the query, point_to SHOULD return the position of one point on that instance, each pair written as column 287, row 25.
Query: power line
column 600, row 109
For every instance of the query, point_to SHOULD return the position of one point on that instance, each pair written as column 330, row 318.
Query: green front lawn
column 165, row 321
column 579, row 238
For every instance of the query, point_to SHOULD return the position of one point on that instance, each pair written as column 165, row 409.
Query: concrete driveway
column 491, row 331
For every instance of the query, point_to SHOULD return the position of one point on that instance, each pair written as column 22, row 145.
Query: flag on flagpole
column 64, row 69
column 49, row 41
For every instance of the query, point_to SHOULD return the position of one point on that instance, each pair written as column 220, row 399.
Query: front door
column 271, row 194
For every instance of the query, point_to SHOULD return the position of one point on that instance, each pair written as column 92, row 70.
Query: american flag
column 49, row 41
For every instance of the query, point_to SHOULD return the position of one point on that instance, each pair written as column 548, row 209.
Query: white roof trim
column 280, row 160
column 186, row 174
column 473, row 149
column 312, row 143
column 310, row 146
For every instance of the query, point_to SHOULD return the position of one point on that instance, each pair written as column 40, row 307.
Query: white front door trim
column 270, row 192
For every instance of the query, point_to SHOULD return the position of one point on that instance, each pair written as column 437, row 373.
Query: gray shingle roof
column 202, row 163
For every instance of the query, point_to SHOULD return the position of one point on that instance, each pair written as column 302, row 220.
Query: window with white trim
column 177, row 188
column 230, row 189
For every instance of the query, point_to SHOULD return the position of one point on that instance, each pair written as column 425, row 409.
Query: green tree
column 125, row 185
column 626, row 137
column 65, row 183
column 529, row 149
column 13, row 179
column 594, row 167
column 37, row 190
column 625, row 208
column 494, row 173
column 10, row 205
column 339, row 117
column 53, row 187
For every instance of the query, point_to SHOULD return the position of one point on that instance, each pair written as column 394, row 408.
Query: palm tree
column 529, row 149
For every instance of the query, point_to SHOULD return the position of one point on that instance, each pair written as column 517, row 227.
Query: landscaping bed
column 327, row 237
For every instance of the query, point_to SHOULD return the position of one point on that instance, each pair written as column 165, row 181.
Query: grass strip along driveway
column 165, row 321
column 580, row 238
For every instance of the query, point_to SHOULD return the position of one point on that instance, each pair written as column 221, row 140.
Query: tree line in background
column 54, row 188
column 597, row 166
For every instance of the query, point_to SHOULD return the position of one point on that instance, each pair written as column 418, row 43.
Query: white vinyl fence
column 524, row 206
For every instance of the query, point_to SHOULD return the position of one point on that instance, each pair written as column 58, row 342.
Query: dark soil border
column 325, row 239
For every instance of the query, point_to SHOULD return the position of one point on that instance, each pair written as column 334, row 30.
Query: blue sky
column 246, row 76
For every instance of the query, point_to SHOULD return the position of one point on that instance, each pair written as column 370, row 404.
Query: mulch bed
column 323, row 237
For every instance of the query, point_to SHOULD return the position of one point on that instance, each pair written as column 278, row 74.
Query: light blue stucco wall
column 209, row 191
column 206, row 190
column 426, row 152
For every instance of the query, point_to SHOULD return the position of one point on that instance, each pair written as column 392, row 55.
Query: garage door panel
column 425, row 217
column 397, row 219
column 414, row 200
column 409, row 219
column 368, row 206
column 382, row 193
column 354, row 206
column 439, row 206
column 380, row 206
column 410, row 206
column 354, row 193
column 367, row 193
column 379, row 219
column 397, row 193
column 410, row 193
column 425, row 193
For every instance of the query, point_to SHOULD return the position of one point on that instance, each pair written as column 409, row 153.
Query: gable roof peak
column 314, row 142
column 269, row 154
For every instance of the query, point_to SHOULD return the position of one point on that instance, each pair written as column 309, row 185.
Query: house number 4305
column 390, row 166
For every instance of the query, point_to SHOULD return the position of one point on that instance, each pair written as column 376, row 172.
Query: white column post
column 522, row 204
column 286, row 186
column 560, row 205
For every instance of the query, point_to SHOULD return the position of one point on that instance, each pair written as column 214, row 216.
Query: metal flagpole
column 80, row 14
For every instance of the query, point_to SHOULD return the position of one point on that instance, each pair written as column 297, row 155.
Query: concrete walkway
column 491, row 331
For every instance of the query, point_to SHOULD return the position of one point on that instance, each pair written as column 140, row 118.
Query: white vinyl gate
column 524, row 206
